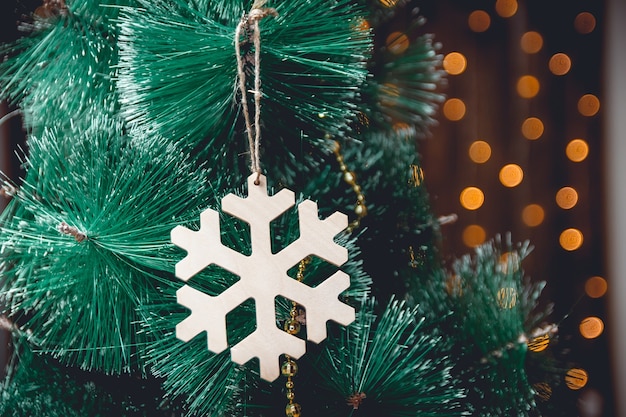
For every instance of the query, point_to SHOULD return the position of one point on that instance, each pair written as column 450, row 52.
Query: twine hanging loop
column 249, row 24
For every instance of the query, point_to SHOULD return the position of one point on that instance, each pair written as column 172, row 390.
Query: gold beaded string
column 290, row 368
column 350, row 177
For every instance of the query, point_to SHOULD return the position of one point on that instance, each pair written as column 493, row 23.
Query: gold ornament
column 507, row 297
column 293, row 410
column 360, row 209
column 292, row 326
column 539, row 343
column 417, row 176
column 289, row 368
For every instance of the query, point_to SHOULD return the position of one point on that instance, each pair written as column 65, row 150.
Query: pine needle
column 390, row 365
column 94, row 214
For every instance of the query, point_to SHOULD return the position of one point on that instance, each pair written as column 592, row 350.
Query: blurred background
column 527, row 142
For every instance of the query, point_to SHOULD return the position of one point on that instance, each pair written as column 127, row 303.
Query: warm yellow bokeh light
column 454, row 285
column 509, row 259
column 531, row 42
column 533, row 215
column 591, row 327
column 566, row 198
column 560, row 64
column 511, row 175
column 454, row 109
column 577, row 150
column 397, row 42
column 388, row 94
column 585, row 23
column 472, row 198
column 454, row 63
column 571, row 239
column 596, row 287
column 479, row 21
column 576, row 378
column 527, row 86
column 532, row 128
column 480, row 151
column 474, row 235
column 506, row 8
column 588, row 105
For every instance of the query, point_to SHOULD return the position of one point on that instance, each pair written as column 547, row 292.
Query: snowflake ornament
column 263, row 277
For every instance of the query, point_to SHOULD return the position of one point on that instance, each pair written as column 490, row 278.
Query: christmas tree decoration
column 220, row 385
column 141, row 276
column 263, row 276
column 349, row 177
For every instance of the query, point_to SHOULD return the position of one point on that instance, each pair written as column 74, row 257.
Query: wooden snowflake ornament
column 263, row 276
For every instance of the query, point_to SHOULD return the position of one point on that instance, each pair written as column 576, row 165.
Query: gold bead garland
column 350, row 177
column 289, row 368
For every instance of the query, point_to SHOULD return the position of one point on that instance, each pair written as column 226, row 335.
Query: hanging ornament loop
column 249, row 24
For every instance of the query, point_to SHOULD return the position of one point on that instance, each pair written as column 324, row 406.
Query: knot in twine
column 259, row 13
column 250, row 23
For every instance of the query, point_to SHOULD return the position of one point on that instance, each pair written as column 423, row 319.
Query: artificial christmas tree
column 142, row 275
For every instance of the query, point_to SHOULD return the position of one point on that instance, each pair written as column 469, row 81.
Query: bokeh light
column 527, row 86
column 577, row 150
column 389, row 94
column 531, row 42
column 588, row 105
column 533, row 215
column 571, row 239
column 479, row 21
column 591, row 327
column 576, row 378
column 506, row 8
column 584, row 23
column 474, row 235
column 560, row 64
column 472, row 198
column 479, row 151
column 509, row 259
column 532, row 128
column 596, row 287
column 397, row 42
column 454, row 63
column 566, row 198
column 454, row 109
column 511, row 175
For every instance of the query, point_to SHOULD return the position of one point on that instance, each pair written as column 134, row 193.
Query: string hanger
column 249, row 24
